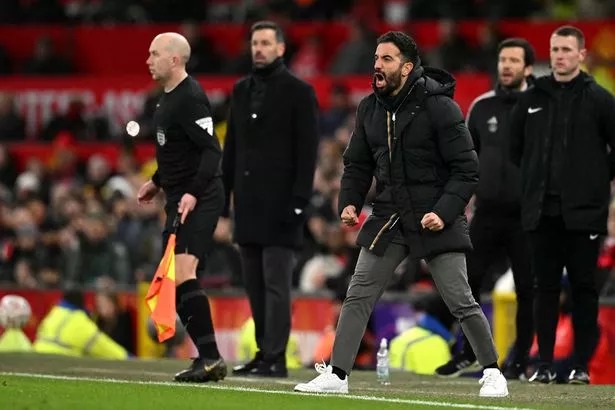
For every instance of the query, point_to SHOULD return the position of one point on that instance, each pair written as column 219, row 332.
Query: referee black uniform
column 188, row 156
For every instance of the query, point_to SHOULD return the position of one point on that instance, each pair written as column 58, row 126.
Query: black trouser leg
column 254, row 283
column 519, row 255
column 582, row 254
column 278, row 265
column 548, row 252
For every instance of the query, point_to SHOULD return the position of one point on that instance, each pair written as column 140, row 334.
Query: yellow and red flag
column 160, row 298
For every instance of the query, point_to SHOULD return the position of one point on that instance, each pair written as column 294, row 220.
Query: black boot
column 271, row 367
column 203, row 370
column 244, row 369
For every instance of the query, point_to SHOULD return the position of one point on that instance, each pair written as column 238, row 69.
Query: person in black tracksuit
column 268, row 165
column 563, row 137
column 188, row 156
column 496, row 224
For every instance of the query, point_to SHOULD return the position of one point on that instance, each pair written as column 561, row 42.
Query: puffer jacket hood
column 439, row 82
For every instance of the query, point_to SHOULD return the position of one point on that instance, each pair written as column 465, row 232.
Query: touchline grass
column 30, row 381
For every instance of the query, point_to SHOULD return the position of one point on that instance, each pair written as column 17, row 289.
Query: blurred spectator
column 307, row 62
column 48, row 11
column 340, row 108
column 68, row 330
column 204, row 58
column 356, row 54
column 12, row 125
column 127, row 227
column 76, row 122
column 149, row 250
column 98, row 172
column 498, row 9
column 114, row 320
column 25, row 253
column 240, row 64
column 5, row 61
column 600, row 59
column 93, row 256
column 437, row 9
column 64, row 165
column 424, row 347
column 107, row 11
column 27, row 185
column 595, row 9
column 453, row 53
column 561, row 9
column 11, row 11
column 489, row 38
column 169, row 11
column 8, row 172
column 45, row 60
column 321, row 9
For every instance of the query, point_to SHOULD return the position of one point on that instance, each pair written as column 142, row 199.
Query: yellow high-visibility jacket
column 247, row 348
column 14, row 340
column 70, row 331
column 418, row 350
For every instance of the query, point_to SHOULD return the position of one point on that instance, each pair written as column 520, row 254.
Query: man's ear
column 406, row 69
column 280, row 49
column 583, row 54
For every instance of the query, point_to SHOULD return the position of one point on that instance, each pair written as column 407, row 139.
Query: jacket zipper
column 389, row 137
column 390, row 224
column 394, row 218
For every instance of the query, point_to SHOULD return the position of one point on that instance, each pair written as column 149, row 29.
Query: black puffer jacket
column 430, row 166
column 588, row 156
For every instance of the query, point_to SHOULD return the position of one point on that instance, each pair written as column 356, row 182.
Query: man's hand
column 147, row 192
column 432, row 222
column 223, row 232
column 186, row 205
column 349, row 216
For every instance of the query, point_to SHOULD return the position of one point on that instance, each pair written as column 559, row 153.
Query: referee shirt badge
column 160, row 137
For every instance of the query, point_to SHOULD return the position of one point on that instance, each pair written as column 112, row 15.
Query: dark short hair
column 529, row 55
column 566, row 31
column 406, row 45
column 270, row 25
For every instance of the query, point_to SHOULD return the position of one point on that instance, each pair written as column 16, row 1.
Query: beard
column 385, row 84
column 514, row 84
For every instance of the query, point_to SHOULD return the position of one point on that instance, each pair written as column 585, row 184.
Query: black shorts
column 195, row 235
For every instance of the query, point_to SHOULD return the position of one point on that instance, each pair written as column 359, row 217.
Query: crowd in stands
column 146, row 11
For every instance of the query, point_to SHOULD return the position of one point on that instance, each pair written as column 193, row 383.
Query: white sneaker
column 494, row 384
column 325, row 382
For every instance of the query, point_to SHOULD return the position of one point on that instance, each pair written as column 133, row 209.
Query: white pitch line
column 255, row 390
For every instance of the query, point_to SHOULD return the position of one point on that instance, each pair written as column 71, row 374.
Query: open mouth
column 379, row 80
column 506, row 76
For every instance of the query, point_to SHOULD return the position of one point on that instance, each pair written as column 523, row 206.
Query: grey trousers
column 371, row 276
column 267, row 273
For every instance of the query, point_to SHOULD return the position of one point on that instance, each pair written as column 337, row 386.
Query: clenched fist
column 432, row 222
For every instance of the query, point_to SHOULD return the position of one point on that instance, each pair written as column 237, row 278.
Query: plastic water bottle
column 382, row 363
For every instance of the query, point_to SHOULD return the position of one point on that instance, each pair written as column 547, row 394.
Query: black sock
column 194, row 312
column 493, row 365
column 339, row 372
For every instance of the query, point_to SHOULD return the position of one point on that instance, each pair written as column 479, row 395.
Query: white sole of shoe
column 494, row 395
column 305, row 389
